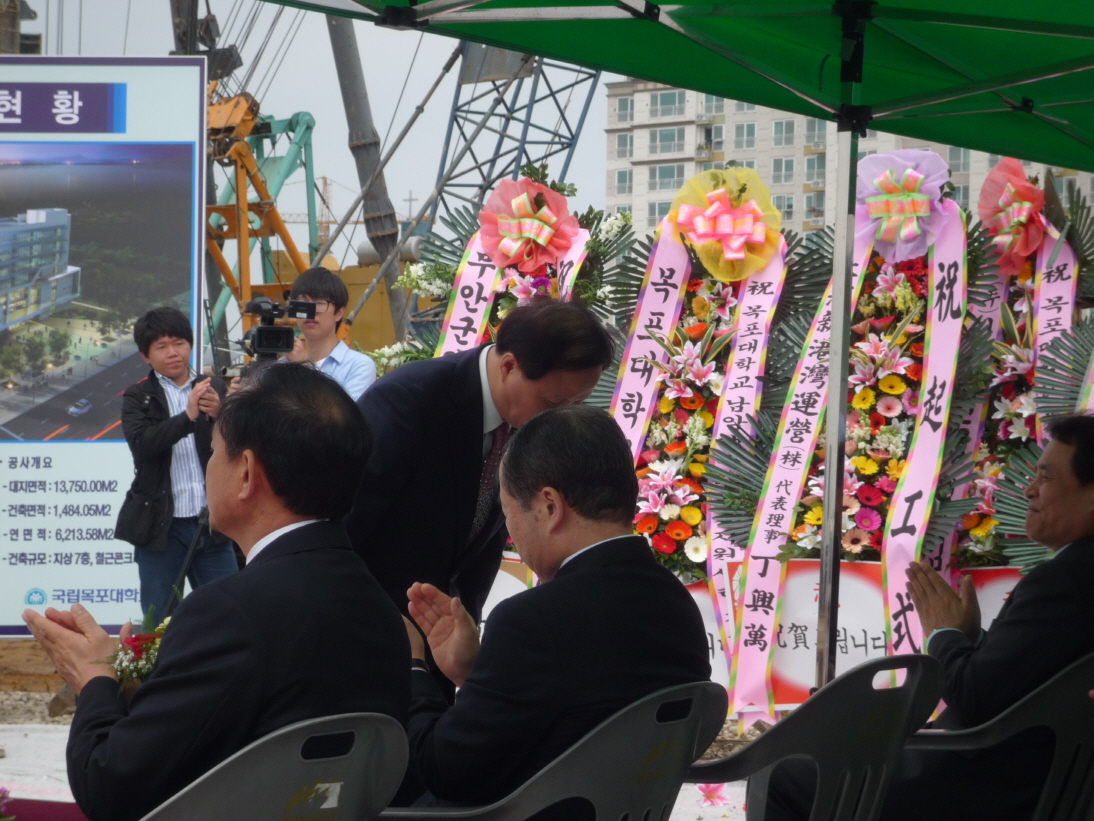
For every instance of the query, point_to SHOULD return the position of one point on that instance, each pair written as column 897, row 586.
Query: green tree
column 59, row 343
column 34, row 348
column 11, row 359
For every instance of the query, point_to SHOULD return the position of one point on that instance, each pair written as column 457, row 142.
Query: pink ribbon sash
column 660, row 303
column 911, row 504
column 469, row 304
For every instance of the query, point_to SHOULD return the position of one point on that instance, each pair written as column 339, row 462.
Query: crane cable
column 283, row 51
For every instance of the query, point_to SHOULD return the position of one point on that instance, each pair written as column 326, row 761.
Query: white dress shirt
column 281, row 531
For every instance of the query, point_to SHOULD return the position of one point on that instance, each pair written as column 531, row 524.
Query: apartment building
column 35, row 277
column 658, row 137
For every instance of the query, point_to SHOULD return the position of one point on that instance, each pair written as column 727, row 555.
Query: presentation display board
column 101, row 218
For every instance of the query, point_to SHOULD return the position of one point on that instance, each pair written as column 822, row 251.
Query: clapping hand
column 77, row 646
column 938, row 606
column 452, row 634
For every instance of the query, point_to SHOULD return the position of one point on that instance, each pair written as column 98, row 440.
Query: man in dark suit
column 440, row 425
column 303, row 631
column 1046, row 624
column 606, row 626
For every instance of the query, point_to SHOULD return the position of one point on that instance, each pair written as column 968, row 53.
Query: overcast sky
column 306, row 81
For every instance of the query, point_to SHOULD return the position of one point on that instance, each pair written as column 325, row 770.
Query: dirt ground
column 25, row 667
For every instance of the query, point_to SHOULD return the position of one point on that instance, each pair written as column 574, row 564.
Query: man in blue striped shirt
column 168, row 421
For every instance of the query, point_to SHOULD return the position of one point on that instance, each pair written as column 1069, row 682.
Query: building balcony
column 703, row 152
column 703, row 117
column 812, row 223
column 814, row 147
column 814, row 186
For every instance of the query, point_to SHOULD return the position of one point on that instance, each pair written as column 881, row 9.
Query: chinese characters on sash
column 469, row 305
column 756, row 618
column 910, row 507
column 795, row 441
column 660, row 301
column 740, row 399
column 1053, row 297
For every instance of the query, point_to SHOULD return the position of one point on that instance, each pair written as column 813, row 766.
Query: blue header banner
column 67, row 108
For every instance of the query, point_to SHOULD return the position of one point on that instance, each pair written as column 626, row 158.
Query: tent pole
column 836, row 411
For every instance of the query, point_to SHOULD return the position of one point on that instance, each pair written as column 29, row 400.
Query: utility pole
column 364, row 143
column 190, row 32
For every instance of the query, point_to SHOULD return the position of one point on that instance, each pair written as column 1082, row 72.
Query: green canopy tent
column 1010, row 78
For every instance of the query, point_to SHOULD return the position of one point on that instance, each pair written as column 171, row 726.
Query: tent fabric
column 1009, row 78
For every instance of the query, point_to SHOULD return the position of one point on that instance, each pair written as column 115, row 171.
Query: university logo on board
column 35, row 596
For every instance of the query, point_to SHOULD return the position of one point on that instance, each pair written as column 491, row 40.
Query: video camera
column 268, row 340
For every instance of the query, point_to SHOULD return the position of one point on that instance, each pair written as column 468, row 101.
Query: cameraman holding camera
column 168, row 419
column 320, row 344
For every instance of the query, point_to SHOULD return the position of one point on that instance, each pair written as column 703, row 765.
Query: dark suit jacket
column 555, row 661
column 303, row 631
column 1045, row 625
column 151, row 432
column 422, row 483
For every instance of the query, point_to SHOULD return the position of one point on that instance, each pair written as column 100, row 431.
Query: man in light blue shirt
column 319, row 343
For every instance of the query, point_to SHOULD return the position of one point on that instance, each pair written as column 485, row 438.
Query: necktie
column 489, row 479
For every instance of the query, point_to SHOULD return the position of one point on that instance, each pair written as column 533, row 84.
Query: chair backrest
column 349, row 766
column 853, row 730
column 1063, row 705
column 630, row 767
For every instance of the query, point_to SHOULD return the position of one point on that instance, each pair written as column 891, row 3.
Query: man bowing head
column 303, row 631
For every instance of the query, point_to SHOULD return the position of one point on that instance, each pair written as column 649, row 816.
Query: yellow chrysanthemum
column 666, row 405
column 864, row 399
column 865, row 465
column 895, row 468
column 697, row 470
column 692, row 515
column 815, row 516
column 707, row 417
column 892, row 384
column 982, row 530
column 733, row 180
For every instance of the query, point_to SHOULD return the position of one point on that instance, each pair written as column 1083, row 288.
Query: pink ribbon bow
column 1010, row 221
column 528, row 226
column 721, row 222
column 899, row 206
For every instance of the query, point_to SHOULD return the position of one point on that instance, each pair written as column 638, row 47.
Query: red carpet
column 26, row 810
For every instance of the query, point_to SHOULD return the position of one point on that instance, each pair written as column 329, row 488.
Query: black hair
column 158, row 323
column 1076, row 430
column 309, row 436
column 319, row 283
column 547, row 335
column 581, row 452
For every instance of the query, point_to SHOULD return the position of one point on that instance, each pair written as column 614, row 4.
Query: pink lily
column 651, row 503
column 699, row 373
column 865, row 374
column 683, row 494
column 678, row 389
column 688, row 354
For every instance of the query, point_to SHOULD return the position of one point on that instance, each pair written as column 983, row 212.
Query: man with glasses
column 319, row 343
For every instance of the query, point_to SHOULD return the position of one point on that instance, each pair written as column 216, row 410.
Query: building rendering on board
column 35, row 277
column 658, row 137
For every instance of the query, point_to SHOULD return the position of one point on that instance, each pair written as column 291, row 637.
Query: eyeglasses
column 321, row 305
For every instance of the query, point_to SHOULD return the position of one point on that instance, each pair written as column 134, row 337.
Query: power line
column 128, row 12
column 405, row 81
